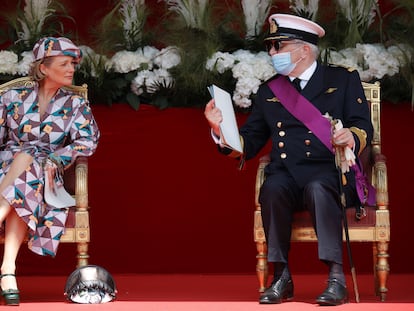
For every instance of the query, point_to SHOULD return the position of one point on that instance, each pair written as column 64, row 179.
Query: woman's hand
column 213, row 116
column 50, row 170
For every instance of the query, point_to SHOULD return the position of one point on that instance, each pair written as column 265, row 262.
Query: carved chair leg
column 262, row 267
column 382, row 269
column 82, row 255
column 375, row 262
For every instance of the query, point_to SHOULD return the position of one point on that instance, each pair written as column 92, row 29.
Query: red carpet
column 164, row 292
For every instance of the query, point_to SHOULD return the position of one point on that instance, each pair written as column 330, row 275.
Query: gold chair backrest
column 81, row 90
column 373, row 95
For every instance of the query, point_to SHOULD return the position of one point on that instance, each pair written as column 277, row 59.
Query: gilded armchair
column 76, row 183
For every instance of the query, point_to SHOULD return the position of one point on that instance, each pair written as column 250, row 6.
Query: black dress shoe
column 278, row 290
column 335, row 294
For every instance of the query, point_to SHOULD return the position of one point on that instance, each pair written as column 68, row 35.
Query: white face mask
column 282, row 63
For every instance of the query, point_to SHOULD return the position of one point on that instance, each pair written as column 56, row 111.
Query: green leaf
column 133, row 100
column 160, row 102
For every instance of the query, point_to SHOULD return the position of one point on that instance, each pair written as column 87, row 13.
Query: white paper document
column 228, row 127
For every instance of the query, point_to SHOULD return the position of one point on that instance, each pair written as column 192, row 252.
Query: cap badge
column 273, row 26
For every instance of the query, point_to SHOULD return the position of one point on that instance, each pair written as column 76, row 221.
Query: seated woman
column 43, row 128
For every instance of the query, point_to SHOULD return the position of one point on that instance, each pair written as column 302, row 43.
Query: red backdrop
column 164, row 200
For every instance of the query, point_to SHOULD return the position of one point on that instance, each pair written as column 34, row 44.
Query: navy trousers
column 280, row 197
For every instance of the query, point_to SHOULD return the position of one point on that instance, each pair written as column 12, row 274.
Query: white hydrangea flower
column 155, row 75
column 264, row 68
column 138, row 84
column 397, row 52
column 249, row 70
column 126, row 61
column 150, row 81
column 401, row 52
column 23, row 66
column 149, row 52
column 221, row 62
column 240, row 101
column 378, row 60
column 159, row 77
column 8, row 62
column 243, row 69
column 373, row 61
column 346, row 57
column 243, row 55
column 168, row 57
column 245, row 87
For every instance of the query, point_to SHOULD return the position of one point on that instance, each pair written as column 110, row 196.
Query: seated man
column 302, row 173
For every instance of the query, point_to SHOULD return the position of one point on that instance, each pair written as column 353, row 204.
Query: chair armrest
column 380, row 180
column 81, row 183
column 263, row 162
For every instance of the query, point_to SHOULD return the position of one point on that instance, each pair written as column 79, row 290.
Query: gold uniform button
column 308, row 154
column 282, row 133
column 281, row 144
column 307, row 142
column 309, row 132
column 279, row 124
column 283, row 155
column 359, row 100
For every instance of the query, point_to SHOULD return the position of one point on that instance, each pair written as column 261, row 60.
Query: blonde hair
column 35, row 72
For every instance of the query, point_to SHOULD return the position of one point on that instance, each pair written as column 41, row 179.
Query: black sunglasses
column 278, row 44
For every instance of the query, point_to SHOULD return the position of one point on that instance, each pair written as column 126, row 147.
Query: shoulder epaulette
column 349, row 69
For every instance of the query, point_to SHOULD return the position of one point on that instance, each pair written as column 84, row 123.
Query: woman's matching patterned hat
column 50, row 46
column 289, row 27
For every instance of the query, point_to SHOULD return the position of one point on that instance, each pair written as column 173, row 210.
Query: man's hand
column 343, row 137
column 213, row 116
column 344, row 142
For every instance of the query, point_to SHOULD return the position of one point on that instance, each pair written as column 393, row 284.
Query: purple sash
column 303, row 110
column 313, row 119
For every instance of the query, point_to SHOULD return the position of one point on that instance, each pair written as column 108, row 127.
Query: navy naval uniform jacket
column 334, row 90
column 296, row 150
